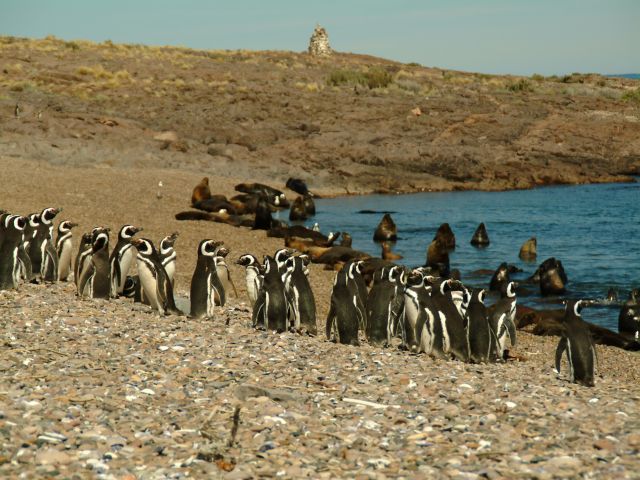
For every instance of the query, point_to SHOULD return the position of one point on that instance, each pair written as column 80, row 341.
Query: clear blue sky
column 492, row 36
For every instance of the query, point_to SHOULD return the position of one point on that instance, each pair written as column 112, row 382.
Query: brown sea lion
column 528, row 251
column 346, row 240
column 387, row 254
column 333, row 255
column 386, row 230
column 201, row 191
column 298, row 212
column 438, row 258
column 552, row 277
column 215, row 205
column 480, row 237
column 446, row 237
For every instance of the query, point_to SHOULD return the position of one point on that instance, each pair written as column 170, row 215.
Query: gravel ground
column 91, row 388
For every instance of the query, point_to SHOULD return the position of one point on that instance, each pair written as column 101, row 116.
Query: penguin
column 223, row 273
column 479, row 334
column 629, row 316
column 64, row 245
column 42, row 252
column 82, row 258
column 383, row 305
column 205, row 284
column 95, row 280
column 11, row 236
column 451, row 326
column 416, row 297
column 253, row 276
column 386, row 230
column 346, row 316
column 281, row 256
column 154, row 280
column 503, row 318
column 500, row 278
column 121, row 259
column 168, row 255
column 302, row 304
column 480, row 237
column 577, row 342
column 270, row 309
column 131, row 287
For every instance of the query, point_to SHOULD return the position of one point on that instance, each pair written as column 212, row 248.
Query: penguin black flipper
column 331, row 319
column 85, row 278
column 165, row 291
column 562, row 346
column 258, row 309
column 50, row 263
column 116, row 276
column 25, row 262
column 511, row 328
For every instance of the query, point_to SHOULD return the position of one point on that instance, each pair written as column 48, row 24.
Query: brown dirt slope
column 268, row 115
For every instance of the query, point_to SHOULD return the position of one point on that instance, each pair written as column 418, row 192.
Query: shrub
column 522, row 85
column 632, row 95
column 376, row 77
column 537, row 77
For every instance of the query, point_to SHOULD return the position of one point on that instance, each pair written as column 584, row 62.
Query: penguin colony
column 426, row 309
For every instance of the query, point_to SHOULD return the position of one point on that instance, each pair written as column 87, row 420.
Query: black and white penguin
column 577, row 342
column 253, row 276
column 121, row 259
column 154, row 280
column 384, row 307
column 479, row 333
column 83, row 257
column 270, row 309
column 223, row 273
column 11, row 237
column 42, row 252
column 503, row 319
column 452, row 324
column 95, row 280
column 500, row 278
column 64, row 245
column 205, row 284
column 302, row 304
column 629, row 316
column 168, row 255
column 281, row 256
column 347, row 311
column 418, row 319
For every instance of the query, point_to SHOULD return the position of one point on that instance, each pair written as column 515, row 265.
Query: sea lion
column 480, row 238
column 528, row 251
column 297, row 185
column 500, row 277
column 552, row 277
column 346, row 240
column 263, row 217
column 629, row 316
column 309, row 205
column 446, row 237
column 387, row 254
column 298, row 212
column 438, row 258
column 333, row 255
column 273, row 195
column 386, row 230
column 201, row 191
column 215, row 204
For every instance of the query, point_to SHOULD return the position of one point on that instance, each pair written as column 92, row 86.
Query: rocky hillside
column 348, row 123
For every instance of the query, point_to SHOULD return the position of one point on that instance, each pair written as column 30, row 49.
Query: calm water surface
column 592, row 229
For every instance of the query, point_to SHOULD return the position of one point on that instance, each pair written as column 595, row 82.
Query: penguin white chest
column 149, row 284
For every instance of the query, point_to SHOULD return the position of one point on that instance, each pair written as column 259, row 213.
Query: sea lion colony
column 424, row 310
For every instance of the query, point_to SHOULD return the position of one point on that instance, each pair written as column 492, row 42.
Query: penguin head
column 48, row 214
column 19, row 223
column 221, row 251
column 128, row 231
column 269, row 264
column 66, row 226
column 100, row 241
column 34, row 220
column 282, row 255
column 207, row 248
column 246, row 260
column 306, row 259
column 574, row 307
column 466, row 298
column 143, row 245
column 167, row 243
column 415, row 279
column 480, row 295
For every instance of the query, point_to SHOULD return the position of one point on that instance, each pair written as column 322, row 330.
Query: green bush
column 373, row 78
column 632, row 95
column 537, row 77
column 522, row 85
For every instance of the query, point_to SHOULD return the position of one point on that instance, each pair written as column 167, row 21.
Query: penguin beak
column 139, row 229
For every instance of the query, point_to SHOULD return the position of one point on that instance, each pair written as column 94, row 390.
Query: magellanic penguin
column 30, row 231
column 577, row 342
column 42, row 252
column 629, row 316
column 11, row 237
column 302, row 304
column 384, row 307
column 224, row 274
column 205, row 284
column 64, row 245
column 95, row 280
column 346, row 312
column 153, row 278
column 82, row 259
column 453, row 326
column 168, row 255
column 253, row 276
column 503, row 319
column 270, row 309
column 418, row 321
column 121, row 259
column 479, row 333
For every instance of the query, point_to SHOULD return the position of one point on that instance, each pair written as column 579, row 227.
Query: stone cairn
column 319, row 43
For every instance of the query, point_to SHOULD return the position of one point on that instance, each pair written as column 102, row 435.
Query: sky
column 520, row 37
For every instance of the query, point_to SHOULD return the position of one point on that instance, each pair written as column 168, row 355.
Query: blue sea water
column 593, row 229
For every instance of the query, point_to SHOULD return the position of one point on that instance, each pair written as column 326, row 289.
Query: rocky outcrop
column 319, row 43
